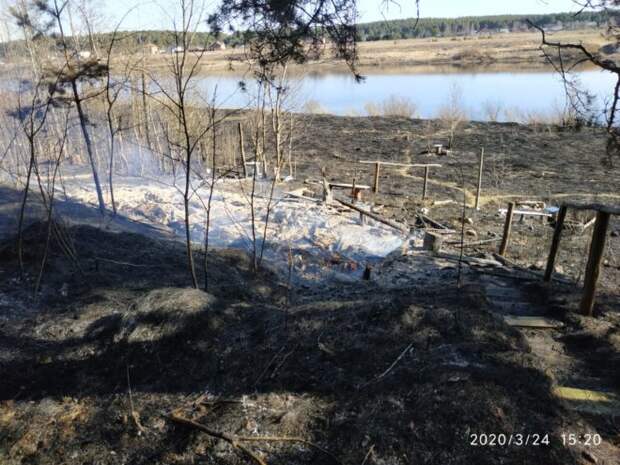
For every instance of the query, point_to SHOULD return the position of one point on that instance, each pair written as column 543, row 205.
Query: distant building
column 558, row 26
column 216, row 46
column 175, row 49
column 151, row 49
column 84, row 54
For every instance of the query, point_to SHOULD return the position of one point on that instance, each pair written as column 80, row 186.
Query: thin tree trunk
column 89, row 146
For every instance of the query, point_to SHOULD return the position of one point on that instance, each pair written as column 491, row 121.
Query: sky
column 150, row 14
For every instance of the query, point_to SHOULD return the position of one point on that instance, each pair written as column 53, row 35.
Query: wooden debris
column 342, row 185
column 611, row 209
column 432, row 241
column 587, row 224
column 406, row 165
column 526, row 213
column 555, row 243
column 473, row 261
column 597, row 247
column 400, row 227
column 475, row 243
column 299, row 194
column 427, row 220
column 507, row 229
column 537, row 322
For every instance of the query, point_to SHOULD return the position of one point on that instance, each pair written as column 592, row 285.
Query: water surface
column 516, row 92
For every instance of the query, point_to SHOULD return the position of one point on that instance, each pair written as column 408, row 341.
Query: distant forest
column 472, row 25
column 135, row 41
column 407, row 28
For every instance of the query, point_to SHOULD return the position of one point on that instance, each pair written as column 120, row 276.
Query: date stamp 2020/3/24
column 533, row 439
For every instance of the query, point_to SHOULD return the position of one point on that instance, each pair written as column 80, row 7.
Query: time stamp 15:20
column 532, row 439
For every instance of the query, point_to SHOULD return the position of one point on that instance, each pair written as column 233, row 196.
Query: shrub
column 392, row 106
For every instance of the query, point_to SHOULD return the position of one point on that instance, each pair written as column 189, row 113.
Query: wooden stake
column 245, row 168
column 555, row 243
column 507, row 229
column 375, row 186
column 597, row 247
column 479, row 179
column 425, row 186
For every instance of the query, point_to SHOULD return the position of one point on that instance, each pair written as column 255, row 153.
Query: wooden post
column 243, row 161
column 555, row 243
column 327, row 191
column 479, row 179
column 507, row 229
column 432, row 241
column 597, row 247
column 375, row 185
column 425, row 186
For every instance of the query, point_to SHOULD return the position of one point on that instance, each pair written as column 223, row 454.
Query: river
column 514, row 93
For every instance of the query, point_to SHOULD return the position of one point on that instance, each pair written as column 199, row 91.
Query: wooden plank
column 298, row 194
column 571, row 393
column 610, row 209
column 586, row 400
column 410, row 165
column 537, row 322
column 431, row 221
column 597, row 247
column 342, row 185
column 507, row 229
column 526, row 213
column 555, row 243
column 475, row 243
column 400, row 227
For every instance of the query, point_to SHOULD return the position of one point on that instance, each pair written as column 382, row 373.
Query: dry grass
column 496, row 49
column 393, row 106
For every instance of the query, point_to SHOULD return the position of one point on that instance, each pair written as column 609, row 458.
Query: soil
column 546, row 163
column 402, row 368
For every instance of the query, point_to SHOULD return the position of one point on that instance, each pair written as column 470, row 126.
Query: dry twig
column 236, row 441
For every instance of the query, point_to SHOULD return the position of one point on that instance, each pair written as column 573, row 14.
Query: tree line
column 443, row 27
column 135, row 41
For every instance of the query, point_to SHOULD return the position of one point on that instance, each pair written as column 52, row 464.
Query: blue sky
column 153, row 14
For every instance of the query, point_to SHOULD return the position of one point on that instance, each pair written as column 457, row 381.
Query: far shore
column 501, row 52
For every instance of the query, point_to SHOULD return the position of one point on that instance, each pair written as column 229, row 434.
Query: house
column 216, row 46
column 175, row 49
column 151, row 49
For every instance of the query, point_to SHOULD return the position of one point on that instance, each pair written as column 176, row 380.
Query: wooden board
column 586, row 400
column 532, row 322
column 348, row 186
column 391, row 163
column 526, row 212
column 611, row 209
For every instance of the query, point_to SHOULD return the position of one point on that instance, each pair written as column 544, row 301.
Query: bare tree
column 112, row 91
column 184, row 67
column 32, row 117
column 73, row 72
column 565, row 57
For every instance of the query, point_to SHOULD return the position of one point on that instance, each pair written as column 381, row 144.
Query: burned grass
column 405, row 375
